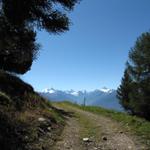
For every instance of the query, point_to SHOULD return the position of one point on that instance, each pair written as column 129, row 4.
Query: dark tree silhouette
column 138, row 93
column 17, row 47
column 18, row 23
column 45, row 14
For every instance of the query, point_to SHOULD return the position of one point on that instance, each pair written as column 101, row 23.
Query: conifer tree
column 138, row 100
column 123, row 92
column 140, row 70
column 19, row 22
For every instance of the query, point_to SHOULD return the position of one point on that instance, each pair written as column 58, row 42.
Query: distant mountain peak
column 72, row 92
column 76, row 93
column 106, row 90
column 104, row 97
column 47, row 90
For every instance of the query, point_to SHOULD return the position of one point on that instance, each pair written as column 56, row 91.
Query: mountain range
column 101, row 97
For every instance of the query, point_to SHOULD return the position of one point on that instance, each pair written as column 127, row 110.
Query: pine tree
column 18, row 47
column 19, row 22
column 123, row 92
column 139, row 71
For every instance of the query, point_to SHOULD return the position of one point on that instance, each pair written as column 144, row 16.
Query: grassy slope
column 131, row 124
column 20, row 110
column 21, row 107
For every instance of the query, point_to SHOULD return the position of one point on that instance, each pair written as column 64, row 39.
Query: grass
column 131, row 124
column 87, row 127
column 20, row 110
column 21, row 130
column 4, row 99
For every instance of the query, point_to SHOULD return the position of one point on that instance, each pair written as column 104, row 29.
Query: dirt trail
column 69, row 139
column 103, row 133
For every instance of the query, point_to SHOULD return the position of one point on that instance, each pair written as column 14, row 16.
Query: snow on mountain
column 101, row 97
column 49, row 91
column 106, row 90
column 72, row 92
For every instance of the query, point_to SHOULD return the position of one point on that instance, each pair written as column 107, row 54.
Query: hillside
column 103, row 97
column 27, row 121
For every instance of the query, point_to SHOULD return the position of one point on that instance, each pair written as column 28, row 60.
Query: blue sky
column 93, row 53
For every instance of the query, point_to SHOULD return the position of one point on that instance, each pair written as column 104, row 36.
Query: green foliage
column 45, row 14
column 18, row 48
column 138, row 91
column 124, row 91
column 18, row 21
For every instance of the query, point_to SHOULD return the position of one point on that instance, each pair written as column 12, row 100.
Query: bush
column 13, row 85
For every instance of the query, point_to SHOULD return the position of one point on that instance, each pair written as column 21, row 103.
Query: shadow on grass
column 63, row 113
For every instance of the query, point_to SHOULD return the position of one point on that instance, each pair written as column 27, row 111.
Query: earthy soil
column 102, row 133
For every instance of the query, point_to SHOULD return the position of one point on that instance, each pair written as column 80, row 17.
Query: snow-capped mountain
column 101, row 97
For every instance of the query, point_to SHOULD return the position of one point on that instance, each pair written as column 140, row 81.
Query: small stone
column 86, row 140
column 41, row 140
column 26, row 137
column 130, row 147
column 104, row 138
column 49, row 128
column 121, row 132
column 41, row 119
